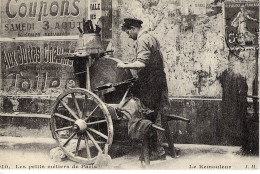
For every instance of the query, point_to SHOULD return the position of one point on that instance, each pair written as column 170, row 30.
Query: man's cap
column 131, row 22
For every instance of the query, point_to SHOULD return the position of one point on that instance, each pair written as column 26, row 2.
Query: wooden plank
column 28, row 95
column 37, row 96
column 22, row 114
column 194, row 98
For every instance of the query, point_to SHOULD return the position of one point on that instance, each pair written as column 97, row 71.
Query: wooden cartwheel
column 81, row 121
column 81, row 134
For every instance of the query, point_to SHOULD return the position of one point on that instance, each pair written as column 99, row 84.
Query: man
column 151, row 87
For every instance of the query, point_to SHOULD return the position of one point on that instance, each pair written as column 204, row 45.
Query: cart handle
column 170, row 117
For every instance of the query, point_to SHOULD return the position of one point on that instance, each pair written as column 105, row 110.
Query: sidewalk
column 33, row 153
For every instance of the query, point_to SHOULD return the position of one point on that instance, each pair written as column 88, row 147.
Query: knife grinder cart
column 81, row 119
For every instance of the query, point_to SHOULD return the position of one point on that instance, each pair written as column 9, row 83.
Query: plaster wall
column 193, row 45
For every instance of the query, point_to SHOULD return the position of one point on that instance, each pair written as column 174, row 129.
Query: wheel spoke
column 78, row 144
column 64, row 117
column 87, row 146
column 70, row 110
column 94, row 142
column 84, row 107
column 68, row 140
column 64, row 128
column 98, row 133
column 91, row 113
column 76, row 103
column 96, row 122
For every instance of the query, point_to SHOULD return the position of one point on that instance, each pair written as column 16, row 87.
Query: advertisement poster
column 41, row 18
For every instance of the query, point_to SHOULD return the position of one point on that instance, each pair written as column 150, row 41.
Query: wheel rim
column 81, row 125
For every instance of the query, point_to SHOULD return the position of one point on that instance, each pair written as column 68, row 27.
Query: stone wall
column 193, row 46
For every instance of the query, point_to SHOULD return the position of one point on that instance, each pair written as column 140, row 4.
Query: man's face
column 132, row 33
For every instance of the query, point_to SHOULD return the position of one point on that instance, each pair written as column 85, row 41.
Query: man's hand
column 121, row 65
